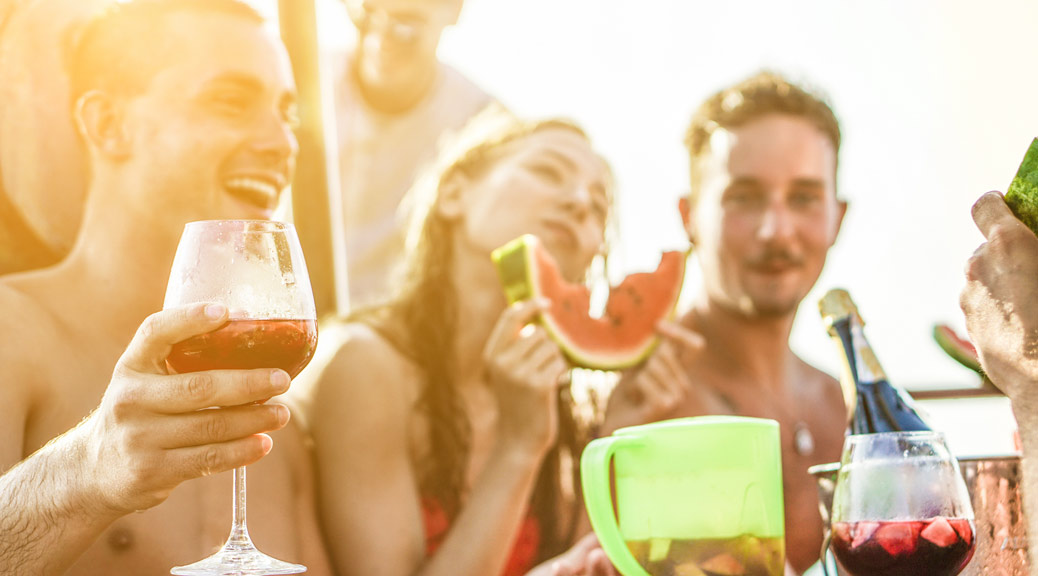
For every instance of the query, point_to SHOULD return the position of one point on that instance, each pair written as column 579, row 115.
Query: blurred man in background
column 761, row 216
column 394, row 101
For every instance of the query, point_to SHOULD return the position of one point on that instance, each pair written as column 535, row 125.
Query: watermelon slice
column 1022, row 194
column 862, row 532
column 964, row 528
column 959, row 348
column 940, row 532
column 624, row 335
column 897, row 538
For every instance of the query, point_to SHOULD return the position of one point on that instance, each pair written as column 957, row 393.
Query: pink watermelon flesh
column 624, row 335
column 862, row 532
column 940, row 532
column 961, row 349
column 963, row 529
column 896, row 538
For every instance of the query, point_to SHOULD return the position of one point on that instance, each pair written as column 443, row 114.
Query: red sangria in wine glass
column 256, row 269
column 900, row 507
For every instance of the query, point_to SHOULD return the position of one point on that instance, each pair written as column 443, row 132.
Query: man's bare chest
column 66, row 390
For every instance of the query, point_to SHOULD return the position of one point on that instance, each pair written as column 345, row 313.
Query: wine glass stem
column 239, row 537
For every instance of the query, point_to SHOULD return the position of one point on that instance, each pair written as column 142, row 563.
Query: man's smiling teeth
column 261, row 192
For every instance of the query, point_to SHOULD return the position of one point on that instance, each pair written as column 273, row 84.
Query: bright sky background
column 937, row 102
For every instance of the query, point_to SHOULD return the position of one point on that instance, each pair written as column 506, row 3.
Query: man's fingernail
column 280, row 380
column 282, row 414
column 266, row 442
column 215, row 311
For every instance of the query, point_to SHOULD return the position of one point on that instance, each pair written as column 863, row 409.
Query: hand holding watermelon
column 624, row 335
column 524, row 367
column 1000, row 299
column 661, row 385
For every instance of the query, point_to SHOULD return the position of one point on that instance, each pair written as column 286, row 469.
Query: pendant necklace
column 803, row 440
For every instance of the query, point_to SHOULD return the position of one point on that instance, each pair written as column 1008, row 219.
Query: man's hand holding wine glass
column 152, row 432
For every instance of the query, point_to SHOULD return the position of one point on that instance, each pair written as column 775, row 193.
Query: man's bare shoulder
column 820, row 385
column 824, row 393
column 29, row 330
column 28, row 333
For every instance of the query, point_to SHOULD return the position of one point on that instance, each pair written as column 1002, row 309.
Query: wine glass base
column 231, row 562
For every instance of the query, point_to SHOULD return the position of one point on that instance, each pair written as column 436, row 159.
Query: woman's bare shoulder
column 356, row 348
column 358, row 374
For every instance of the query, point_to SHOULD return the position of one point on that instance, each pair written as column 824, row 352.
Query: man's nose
column 776, row 222
column 275, row 139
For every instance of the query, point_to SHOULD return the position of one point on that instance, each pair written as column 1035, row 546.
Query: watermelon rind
column 949, row 341
column 514, row 269
column 516, row 266
column 1022, row 194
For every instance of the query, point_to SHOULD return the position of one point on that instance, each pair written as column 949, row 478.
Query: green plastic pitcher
column 693, row 496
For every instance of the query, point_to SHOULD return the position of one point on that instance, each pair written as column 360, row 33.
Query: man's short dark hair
column 762, row 94
column 123, row 48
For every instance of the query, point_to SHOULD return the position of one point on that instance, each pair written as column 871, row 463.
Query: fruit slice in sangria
column 935, row 547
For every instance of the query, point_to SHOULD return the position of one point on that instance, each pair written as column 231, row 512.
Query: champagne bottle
column 873, row 404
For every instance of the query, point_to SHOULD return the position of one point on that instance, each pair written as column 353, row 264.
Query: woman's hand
column 524, row 367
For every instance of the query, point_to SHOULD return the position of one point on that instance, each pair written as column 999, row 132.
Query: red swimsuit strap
column 524, row 551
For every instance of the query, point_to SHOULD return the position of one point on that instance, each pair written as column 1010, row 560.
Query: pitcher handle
column 594, row 478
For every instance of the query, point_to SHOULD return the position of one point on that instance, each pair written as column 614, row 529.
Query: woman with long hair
column 442, row 441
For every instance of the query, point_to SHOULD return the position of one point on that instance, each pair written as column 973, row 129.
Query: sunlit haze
column 936, row 102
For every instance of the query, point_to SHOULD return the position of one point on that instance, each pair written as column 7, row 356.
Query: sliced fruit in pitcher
column 723, row 565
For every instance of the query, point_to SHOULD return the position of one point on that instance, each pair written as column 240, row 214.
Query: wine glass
column 256, row 269
column 900, row 507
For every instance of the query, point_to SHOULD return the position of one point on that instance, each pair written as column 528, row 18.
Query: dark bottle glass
column 873, row 403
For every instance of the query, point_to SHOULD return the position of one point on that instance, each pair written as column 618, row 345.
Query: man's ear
column 841, row 211
column 450, row 204
column 687, row 217
column 100, row 121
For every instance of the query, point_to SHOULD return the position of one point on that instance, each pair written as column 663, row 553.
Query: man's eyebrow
column 235, row 80
column 744, row 181
column 809, row 182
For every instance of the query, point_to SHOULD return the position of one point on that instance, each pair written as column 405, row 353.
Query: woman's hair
column 421, row 321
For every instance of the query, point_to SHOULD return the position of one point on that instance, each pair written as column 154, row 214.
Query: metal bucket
column 995, row 491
